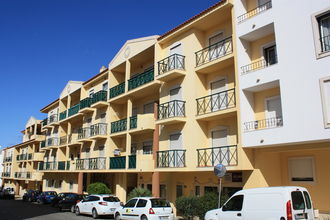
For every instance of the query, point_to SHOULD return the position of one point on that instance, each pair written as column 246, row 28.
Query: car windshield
column 159, row 203
column 111, row 199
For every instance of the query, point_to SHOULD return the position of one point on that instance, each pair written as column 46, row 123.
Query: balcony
column 97, row 163
column 8, row 159
column 52, row 142
column 171, row 67
column 171, row 159
column 84, row 134
column 209, row 157
column 142, row 123
column 119, row 126
column 5, row 174
column 22, row 175
column 118, row 162
column 117, row 90
column 63, row 140
column 73, row 110
column 52, row 119
column 171, row 112
column 53, row 166
column 263, row 124
column 21, row 157
column 254, row 12
column 141, row 79
column 85, row 106
column 99, row 99
column 63, row 115
column 214, row 54
column 99, row 131
column 260, row 64
column 42, row 144
column 132, row 161
column 73, row 139
column 215, row 104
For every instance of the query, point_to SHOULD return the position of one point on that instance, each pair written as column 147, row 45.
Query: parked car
column 46, row 197
column 97, row 205
column 145, row 208
column 283, row 203
column 7, row 193
column 31, row 195
column 67, row 201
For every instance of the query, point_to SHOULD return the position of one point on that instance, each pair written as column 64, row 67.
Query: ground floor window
column 179, row 191
column 301, row 169
column 163, row 191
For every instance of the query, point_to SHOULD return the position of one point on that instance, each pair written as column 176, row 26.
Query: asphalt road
column 19, row 210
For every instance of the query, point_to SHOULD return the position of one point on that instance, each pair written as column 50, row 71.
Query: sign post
column 219, row 171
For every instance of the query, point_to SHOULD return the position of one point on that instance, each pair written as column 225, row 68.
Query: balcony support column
column 80, row 182
column 155, row 175
column 127, row 73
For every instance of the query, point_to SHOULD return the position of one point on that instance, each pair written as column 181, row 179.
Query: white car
column 96, row 205
column 282, row 203
column 145, row 208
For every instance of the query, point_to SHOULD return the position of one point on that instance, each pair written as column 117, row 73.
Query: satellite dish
column 220, row 170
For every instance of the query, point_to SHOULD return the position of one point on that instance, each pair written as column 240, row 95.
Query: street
column 19, row 210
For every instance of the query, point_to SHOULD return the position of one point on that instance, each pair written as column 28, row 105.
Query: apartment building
column 1, row 164
column 238, row 84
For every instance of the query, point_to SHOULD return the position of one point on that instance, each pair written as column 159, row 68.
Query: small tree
column 98, row 188
column 188, row 207
column 139, row 192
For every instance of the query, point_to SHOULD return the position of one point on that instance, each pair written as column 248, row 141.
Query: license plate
column 163, row 217
column 301, row 216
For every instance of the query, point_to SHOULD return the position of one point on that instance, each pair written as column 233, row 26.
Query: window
column 147, row 147
column 162, row 191
column 149, row 187
column 234, row 204
column 270, row 55
column 321, row 32
column 308, row 200
column 105, row 86
column 148, row 108
column 130, row 203
column 91, row 93
column 133, row 148
column 159, row 203
column 141, row 203
column 179, row 191
column 197, row 190
column 301, row 169
column 325, row 96
column 297, row 200
column 111, row 199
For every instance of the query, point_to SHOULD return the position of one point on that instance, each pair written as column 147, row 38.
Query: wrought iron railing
column 141, row 79
column 42, row 144
column 84, row 133
column 44, row 122
column 214, row 51
column 99, row 96
column 255, row 11
column 172, row 62
column 132, row 161
column 260, row 64
column 52, row 118
column 8, row 159
column 209, row 157
column 264, row 123
column 99, row 129
column 68, row 165
column 54, row 141
column 216, row 102
column 118, row 162
column 6, row 174
column 118, row 126
column 85, row 103
column 97, row 163
column 24, row 157
column 50, row 165
column 63, row 140
column 174, row 108
column 41, row 166
column 171, row 158
column 61, row 165
column 74, row 110
column 63, row 115
column 117, row 90
column 22, row 175
column 325, row 43
column 133, row 122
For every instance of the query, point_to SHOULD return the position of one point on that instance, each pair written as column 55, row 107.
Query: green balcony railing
column 118, row 126
column 63, row 115
column 133, row 122
column 118, row 162
column 85, row 103
column 41, row 166
column 132, row 161
column 68, row 165
column 73, row 110
column 117, row 90
column 61, row 165
column 98, row 97
column 24, row 157
column 44, row 122
column 141, row 79
column 42, row 144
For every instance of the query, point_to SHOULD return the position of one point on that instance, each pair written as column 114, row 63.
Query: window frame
column 290, row 168
column 325, row 109
column 316, row 33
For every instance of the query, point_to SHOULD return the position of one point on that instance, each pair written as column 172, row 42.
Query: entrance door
column 218, row 100
column 175, row 158
column 175, row 108
column 219, row 139
column 216, row 50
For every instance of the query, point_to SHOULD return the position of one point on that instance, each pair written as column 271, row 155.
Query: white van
column 271, row 203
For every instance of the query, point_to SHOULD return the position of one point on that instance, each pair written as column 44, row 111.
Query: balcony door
column 219, row 139
column 270, row 55
column 273, row 111
column 173, row 62
column 175, row 108
column 218, row 100
column 216, row 50
column 175, row 158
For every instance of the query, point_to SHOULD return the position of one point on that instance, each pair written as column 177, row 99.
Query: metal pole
column 219, row 192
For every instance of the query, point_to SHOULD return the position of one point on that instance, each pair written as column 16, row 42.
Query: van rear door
column 301, row 210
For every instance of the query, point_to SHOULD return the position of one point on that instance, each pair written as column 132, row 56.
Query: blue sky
column 45, row 43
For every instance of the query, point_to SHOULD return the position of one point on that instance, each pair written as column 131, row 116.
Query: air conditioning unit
column 116, row 152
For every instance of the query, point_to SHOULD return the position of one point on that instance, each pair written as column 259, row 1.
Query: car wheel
column 144, row 217
column 95, row 214
column 77, row 211
column 73, row 209
column 117, row 217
